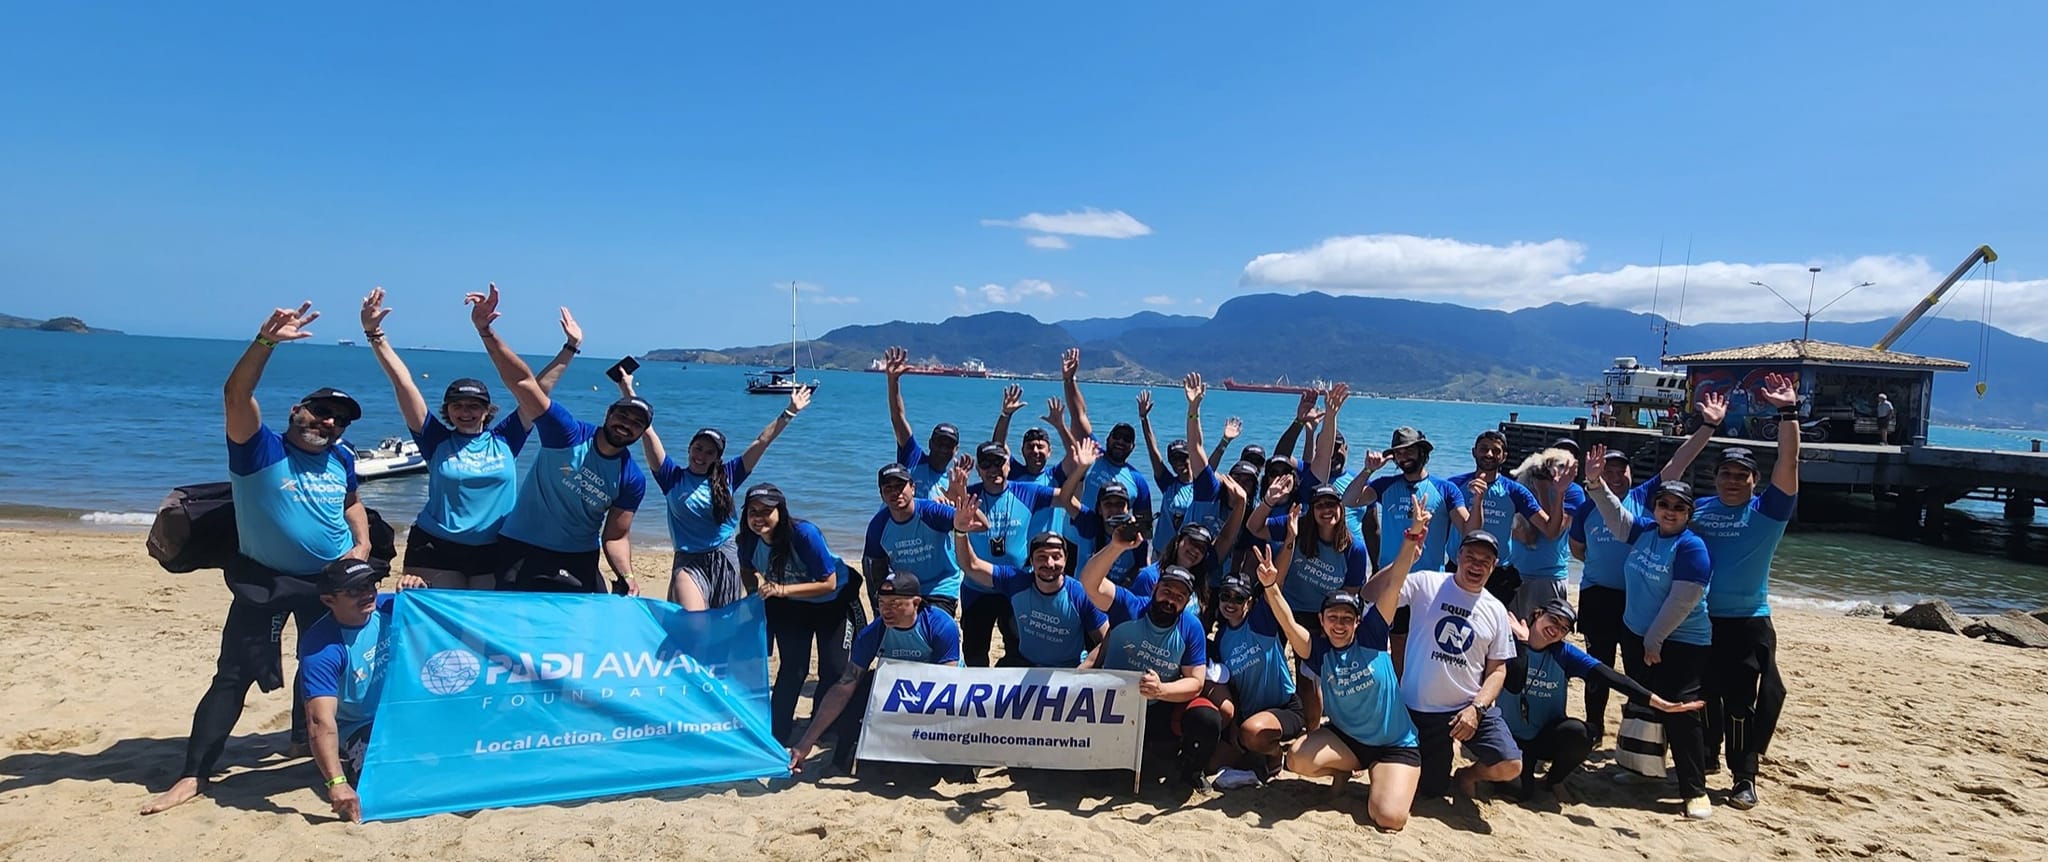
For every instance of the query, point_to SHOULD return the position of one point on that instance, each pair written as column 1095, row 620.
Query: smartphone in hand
column 621, row 368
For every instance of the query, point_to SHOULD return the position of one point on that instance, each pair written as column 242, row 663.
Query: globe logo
column 450, row 671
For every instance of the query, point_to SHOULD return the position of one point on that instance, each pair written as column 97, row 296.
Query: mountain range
column 1543, row 355
column 54, row 324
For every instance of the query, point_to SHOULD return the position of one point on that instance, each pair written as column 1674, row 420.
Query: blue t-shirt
column 1654, row 563
column 1742, row 540
column 924, row 475
column 1360, row 694
column 1010, row 514
column 922, row 546
column 1504, row 499
column 289, row 502
column 1105, row 471
column 472, row 479
column 1548, row 558
column 347, row 664
column 571, row 487
column 1310, row 577
column 1605, row 552
column 1052, row 630
column 1040, row 476
column 691, row 527
column 1541, row 700
column 933, row 639
column 1095, row 537
column 1194, row 502
column 1442, row 498
column 1136, row 644
column 810, row 561
column 1256, row 655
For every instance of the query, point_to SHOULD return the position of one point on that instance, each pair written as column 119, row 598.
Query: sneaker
column 1699, row 808
column 1233, row 779
column 1743, row 797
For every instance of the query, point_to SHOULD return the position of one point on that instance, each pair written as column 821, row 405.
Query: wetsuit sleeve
column 935, row 515
column 558, row 429
column 1575, row 661
column 944, row 638
column 512, row 431
column 261, row 450
column 632, row 487
column 1194, row 651
column 1616, row 680
column 668, row 474
column 810, row 548
column 431, row 435
column 1775, row 504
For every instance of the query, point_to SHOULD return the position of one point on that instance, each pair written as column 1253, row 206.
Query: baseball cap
column 1738, row 455
column 1031, row 434
column 1198, row 532
column 1244, row 468
column 1562, row 610
column 468, row 387
column 717, row 437
column 1237, row 585
column 1569, row 445
column 1177, row 575
column 991, row 449
column 946, row 430
column 1177, row 447
column 1342, row 598
column 1493, row 434
column 1254, row 453
column 346, row 574
column 1324, row 490
column 892, row 473
column 1681, row 490
column 1113, row 489
column 634, row 402
column 766, row 493
column 1482, row 537
column 1616, row 455
column 348, row 410
column 899, row 584
column 1045, row 538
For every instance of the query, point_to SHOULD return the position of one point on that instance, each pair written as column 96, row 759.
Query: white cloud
column 1114, row 224
column 1522, row 275
column 996, row 294
column 1045, row 241
column 1159, row 299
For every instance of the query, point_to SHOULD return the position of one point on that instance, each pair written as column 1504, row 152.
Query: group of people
column 1268, row 607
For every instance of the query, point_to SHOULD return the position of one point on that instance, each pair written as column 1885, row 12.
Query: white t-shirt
column 1451, row 634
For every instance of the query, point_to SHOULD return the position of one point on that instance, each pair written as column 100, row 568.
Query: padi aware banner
column 1045, row 718
column 497, row 699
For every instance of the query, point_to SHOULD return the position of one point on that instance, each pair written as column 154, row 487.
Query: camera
column 997, row 545
column 1125, row 526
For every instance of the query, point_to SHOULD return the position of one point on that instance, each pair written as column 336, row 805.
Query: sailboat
column 781, row 381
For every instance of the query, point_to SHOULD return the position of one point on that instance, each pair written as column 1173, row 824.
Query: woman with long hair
column 805, row 589
column 472, row 479
column 702, row 517
column 1541, row 553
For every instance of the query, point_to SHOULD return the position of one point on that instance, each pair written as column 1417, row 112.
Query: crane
column 1983, row 254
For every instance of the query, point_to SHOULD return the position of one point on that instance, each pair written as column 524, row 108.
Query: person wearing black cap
column 472, row 474
column 296, row 510
column 927, row 464
column 1742, row 528
column 1157, row 635
column 1055, row 622
column 1534, row 704
column 1253, row 652
column 1667, row 645
column 1010, row 512
column 579, row 495
column 1493, row 500
column 1114, row 467
column 1036, row 465
column 1110, row 515
column 1190, row 491
column 1602, row 587
column 342, row 659
column 906, row 628
column 912, row 534
column 1456, row 666
column 1346, row 657
column 805, row 590
column 702, row 519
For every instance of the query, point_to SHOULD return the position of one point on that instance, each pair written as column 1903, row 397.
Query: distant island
column 54, row 324
column 1397, row 347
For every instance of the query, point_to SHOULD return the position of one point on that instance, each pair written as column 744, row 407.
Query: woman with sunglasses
column 472, row 475
column 1534, row 701
column 1668, row 638
column 702, row 519
column 1346, row 658
column 805, row 589
column 1254, row 655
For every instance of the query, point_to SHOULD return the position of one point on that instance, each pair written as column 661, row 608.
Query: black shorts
column 1293, row 723
column 534, row 569
column 1600, row 614
column 1367, row 755
column 424, row 550
column 948, row 604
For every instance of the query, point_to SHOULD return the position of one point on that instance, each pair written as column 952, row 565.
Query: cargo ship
column 1281, row 386
column 967, row 368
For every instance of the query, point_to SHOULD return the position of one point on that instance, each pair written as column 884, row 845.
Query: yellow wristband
column 337, row 780
column 265, row 341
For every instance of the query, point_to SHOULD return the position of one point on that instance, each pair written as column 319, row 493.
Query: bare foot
column 186, row 790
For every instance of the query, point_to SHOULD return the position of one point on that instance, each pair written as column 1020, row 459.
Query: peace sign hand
column 287, row 325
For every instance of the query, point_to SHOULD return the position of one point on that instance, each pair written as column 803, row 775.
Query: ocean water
column 98, row 428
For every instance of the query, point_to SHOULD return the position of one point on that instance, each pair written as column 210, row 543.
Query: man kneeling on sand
column 341, row 661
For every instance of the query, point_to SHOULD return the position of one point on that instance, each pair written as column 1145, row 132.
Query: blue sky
column 660, row 169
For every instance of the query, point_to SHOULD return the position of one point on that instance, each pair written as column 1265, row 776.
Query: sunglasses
column 992, row 462
column 1233, row 600
column 326, row 413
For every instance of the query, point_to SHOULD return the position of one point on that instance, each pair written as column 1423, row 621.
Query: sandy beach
column 1896, row 744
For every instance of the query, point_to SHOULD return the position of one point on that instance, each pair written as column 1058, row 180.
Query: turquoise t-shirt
column 1360, row 694
column 472, row 479
column 289, row 502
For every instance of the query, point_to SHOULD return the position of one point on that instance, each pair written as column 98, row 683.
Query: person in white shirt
column 1457, row 662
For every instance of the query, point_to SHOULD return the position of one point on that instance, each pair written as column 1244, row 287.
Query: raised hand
column 1293, row 523
column 626, row 383
column 1312, row 418
column 1232, row 427
column 572, row 334
column 1334, row 399
column 799, row 398
column 1596, row 454
column 1374, row 460
column 1085, row 453
column 956, row 478
column 895, row 361
column 1713, row 407
column 374, row 311
column 1307, row 403
column 1070, row 363
column 1145, row 404
column 1282, row 489
column 1476, row 488
column 1193, row 386
column 1780, row 390
column 288, row 325
column 1013, row 399
column 1268, row 573
column 967, row 517
column 1054, row 411
column 1419, row 515
column 483, row 307
column 1521, row 629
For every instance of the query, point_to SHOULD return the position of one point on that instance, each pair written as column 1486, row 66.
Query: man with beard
column 1007, row 512
column 342, row 660
column 1159, row 636
column 296, row 511
column 1409, row 452
column 1494, row 499
column 1036, row 465
column 910, row 534
column 580, row 494
column 1114, row 466
column 1056, row 624
column 927, row 464
column 906, row 628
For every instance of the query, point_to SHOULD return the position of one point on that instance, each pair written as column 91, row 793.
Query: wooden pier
column 1917, row 481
